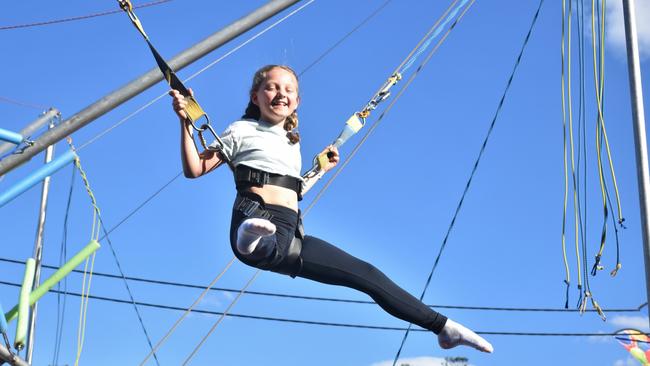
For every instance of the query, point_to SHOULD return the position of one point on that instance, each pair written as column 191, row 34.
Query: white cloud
column 600, row 339
column 637, row 322
column 416, row 361
column 627, row 362
column 615, row 27
column 211, row 300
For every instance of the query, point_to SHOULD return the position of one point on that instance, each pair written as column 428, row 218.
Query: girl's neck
column 272, row 123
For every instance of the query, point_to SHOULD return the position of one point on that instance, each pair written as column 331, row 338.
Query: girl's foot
column 454, row 334
column 250, row 232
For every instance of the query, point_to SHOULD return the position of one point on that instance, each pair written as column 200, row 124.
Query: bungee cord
column 358, row 119
column 89, row 262
column 580, row 218
column 357, row 147
column 567, row 278
column 187, row 312
column 381, row 95
column 474, row 169
column 223, row 315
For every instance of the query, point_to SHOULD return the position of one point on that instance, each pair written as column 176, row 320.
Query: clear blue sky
column 391, row 206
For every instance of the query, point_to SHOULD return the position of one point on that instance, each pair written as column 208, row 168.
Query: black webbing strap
column 246, row 177
column 193, row 110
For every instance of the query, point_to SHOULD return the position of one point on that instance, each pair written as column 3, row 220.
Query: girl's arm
column 195, row 164
column 333, row 160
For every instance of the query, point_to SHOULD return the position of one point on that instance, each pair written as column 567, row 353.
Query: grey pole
column 135, row 87
column 7, row 357
column 31, row 128
column 636, row 95
column 38, row 252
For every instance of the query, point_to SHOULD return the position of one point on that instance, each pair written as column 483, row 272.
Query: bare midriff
column 276, row 195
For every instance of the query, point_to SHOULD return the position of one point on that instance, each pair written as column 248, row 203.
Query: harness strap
column 246, row 177
column 252, row 208
column 193, row 110
column 292, row 265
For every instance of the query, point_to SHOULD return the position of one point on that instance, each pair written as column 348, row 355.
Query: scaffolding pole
column 46, row 117
column 640, row 143
column 137, row 86
column 38, row 252
column 11, row 359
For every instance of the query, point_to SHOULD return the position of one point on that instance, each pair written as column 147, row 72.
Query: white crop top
column 263, row 146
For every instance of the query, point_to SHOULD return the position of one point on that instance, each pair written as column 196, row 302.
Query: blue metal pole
column 37, row 176
column 9, row 136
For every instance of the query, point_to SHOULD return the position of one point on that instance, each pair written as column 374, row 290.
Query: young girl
column 266, row 231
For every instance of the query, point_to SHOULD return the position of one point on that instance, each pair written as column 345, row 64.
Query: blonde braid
column 290, row 124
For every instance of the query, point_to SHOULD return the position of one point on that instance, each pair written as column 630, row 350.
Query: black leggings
column 326, row 263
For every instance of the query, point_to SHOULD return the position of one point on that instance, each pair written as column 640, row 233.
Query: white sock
column 454, row 334
column 250, row 232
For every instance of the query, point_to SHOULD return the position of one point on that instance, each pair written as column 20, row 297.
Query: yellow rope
column 83, row 312
column 576, row 217
column 598, row 87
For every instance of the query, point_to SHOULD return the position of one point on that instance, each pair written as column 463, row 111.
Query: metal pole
column 38, row 252
column 636, row 96
column 135, row 87
column 31, row 128
column 7, row 357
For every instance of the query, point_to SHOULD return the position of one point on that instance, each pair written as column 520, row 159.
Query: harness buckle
column 250, row 207
column 258, row 177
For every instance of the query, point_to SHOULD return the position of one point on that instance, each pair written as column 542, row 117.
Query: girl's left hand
column 333, row 157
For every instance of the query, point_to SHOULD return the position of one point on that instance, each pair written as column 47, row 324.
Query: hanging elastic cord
column 193, row 110
column 90, row 262
column 358, row 119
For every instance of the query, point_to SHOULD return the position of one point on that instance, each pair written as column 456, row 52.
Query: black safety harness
column 246, row 177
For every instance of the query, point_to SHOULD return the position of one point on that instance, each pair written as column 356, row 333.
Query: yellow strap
column 354, row 123
column 193, row 110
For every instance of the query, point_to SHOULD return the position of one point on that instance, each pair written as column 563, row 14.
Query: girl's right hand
column 179, row 103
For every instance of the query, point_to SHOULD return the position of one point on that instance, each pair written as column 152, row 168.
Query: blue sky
column 391, row 206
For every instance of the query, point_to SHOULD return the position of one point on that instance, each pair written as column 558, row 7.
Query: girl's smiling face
column 277, row 96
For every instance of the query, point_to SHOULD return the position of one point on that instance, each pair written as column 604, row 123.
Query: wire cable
column 81, row 17
column 63, row 254
column 322, row 323
column 38, row 107
column 187, row 312
column 330, row 299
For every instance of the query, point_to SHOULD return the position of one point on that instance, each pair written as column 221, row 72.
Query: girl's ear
column 297, row 101
column 254, row 99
